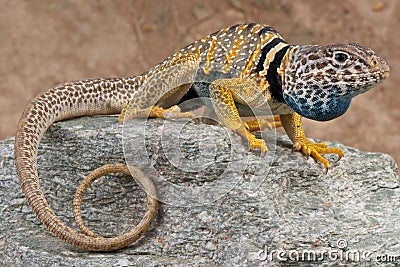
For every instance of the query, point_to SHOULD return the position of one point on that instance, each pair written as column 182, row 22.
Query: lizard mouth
column 376, row 75
column 385, row 74
column 384, row 71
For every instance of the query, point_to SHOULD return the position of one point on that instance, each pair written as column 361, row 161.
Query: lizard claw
column 316, row 149
column 256, row 143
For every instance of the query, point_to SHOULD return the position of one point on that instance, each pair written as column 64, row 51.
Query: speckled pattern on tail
column 309, row 80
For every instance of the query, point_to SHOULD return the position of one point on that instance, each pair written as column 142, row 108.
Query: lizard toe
column 316, row 149
column 256, row 143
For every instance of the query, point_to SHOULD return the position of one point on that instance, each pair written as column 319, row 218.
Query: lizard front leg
column 223, row 93
column 294, row 128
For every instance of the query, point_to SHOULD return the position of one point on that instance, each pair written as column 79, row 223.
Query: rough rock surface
column 279, row 203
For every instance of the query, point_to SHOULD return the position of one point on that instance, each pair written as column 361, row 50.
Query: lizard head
column 320, row 81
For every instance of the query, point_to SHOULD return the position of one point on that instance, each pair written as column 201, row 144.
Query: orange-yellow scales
column 244, row 65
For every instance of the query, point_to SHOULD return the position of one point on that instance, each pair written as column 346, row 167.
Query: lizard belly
column 276, row 108
column 200, row 89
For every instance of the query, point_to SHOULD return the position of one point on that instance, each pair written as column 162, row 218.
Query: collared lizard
column 314, row 81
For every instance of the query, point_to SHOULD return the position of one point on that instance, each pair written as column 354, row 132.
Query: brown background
column 44, row 43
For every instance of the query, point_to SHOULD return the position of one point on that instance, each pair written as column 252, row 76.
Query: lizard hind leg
column 151, row 208
column 270, row 122
column 163, row 88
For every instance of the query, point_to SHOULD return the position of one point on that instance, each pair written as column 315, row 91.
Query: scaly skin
column 151, row 209
column 317, row 82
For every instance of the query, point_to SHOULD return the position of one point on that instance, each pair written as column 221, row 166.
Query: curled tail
column 89, row 97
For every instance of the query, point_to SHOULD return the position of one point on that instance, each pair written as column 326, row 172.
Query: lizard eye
column 340, row 57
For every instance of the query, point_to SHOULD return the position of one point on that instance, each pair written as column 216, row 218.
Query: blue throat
column 317, row 107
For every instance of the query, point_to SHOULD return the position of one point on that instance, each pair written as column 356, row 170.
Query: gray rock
column 223, row 205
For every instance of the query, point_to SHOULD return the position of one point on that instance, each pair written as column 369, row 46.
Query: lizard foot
column 316, row 149
column 256, row 143
column 154, row 112
column 269, row 123
column 172, row 112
